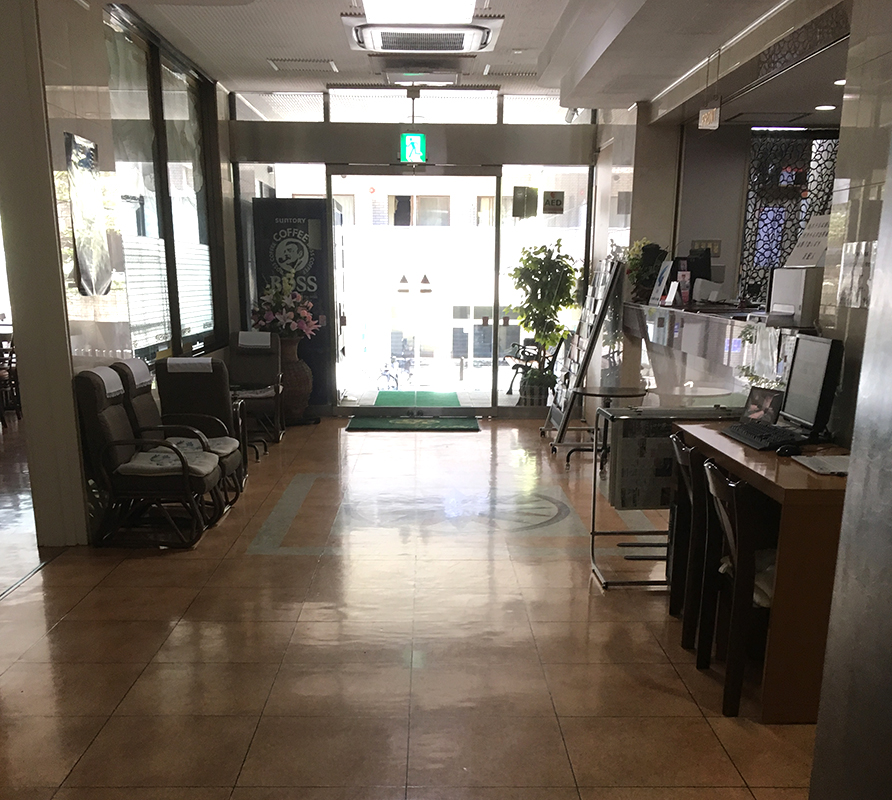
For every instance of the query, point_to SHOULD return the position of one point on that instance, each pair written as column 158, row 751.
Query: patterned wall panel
column 791, row 178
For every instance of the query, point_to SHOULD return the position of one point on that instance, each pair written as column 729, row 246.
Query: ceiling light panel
column 419, row 12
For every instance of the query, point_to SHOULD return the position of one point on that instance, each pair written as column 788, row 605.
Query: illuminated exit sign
column 413, row 148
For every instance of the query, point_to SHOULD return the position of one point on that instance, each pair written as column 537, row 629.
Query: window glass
column 473, row 107
column 370, row 105
column 188, row 197
column 486, row 211
column 280, row 106
column 432, row 211
column 532, row 110
column 136, row 228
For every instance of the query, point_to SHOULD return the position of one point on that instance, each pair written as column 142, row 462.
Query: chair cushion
column 254, row 394
column 220, row 445
column 159, row 462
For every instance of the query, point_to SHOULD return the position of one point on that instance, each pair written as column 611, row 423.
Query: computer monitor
column 811, row 382
column 698, row 263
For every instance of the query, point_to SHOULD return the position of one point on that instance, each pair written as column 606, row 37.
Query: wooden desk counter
column 811, row 516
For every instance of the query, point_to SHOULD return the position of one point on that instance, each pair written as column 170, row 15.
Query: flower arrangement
column 283, row 310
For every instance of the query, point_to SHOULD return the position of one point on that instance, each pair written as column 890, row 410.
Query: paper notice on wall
column 812, row 243
column 855, row 273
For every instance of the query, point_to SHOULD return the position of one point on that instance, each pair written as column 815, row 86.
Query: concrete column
column 36, row 288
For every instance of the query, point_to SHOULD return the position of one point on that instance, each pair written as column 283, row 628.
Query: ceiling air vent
column 301, row 65
column 420, row 39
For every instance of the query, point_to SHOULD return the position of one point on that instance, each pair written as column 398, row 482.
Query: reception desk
column 698, row 359
column 811, row 515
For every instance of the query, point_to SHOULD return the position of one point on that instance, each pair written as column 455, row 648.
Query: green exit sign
column 413, row 148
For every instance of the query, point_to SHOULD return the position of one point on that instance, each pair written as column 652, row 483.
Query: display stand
column 578, row 355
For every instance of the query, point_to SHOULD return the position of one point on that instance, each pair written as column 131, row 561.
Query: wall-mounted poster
column 92, row 264
column 291, row 237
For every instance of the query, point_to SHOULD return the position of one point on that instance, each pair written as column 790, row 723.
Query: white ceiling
column 595, row 53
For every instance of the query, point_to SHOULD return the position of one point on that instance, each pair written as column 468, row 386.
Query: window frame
column 159, row 51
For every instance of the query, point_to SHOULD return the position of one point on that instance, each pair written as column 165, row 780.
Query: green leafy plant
column 547, row 279
column 643, row 261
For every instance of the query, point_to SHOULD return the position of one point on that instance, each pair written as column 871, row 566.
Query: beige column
column 36, row 289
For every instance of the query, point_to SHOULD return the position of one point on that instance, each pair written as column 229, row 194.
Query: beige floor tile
column 40, row 751
column 306, row 793
column 286, row 572
column 87, row 641
column 76, row 571
column 491, row 689
column 33, row 603
column 333, row 751
column 197, row 688
column 16, row 638
column 65, row 689
column 612, row 751
column 264, row 603
column 768, row 755
column 489, row 793
column 780, row 794
column 589, row 604
column 351, row 641
column 248, row 641
column 668, row 633
column 708, row 686
column 619, row 690
column 597, row 643
column 473, row 749
column 165, row 751
column 135, row 793
column 664, row 793
column 351, row 689
column 162, row 572
column 461, row 642
column 30, row 793
column 133, row 603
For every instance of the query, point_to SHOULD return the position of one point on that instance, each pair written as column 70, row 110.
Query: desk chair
column 689, row 539
column 749, row 524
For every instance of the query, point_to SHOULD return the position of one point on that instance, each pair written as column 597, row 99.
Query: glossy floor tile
column 380, row 617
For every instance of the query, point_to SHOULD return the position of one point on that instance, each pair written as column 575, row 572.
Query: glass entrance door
column 416, row 263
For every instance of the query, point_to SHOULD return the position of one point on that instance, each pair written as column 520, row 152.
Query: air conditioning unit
column 479, row 37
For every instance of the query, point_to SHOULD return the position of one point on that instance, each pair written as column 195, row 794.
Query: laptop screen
column 763, row 405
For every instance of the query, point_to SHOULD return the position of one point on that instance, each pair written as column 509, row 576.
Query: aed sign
column 552, row 202
column 413, row 148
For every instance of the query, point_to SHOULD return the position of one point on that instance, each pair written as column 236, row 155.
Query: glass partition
column 540, row 229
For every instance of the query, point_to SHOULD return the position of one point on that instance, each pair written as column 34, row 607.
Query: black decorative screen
column 791, row 178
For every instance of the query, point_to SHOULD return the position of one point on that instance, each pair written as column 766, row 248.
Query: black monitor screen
column 811, row 383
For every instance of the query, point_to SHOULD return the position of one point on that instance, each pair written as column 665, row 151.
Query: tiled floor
column 382, row 616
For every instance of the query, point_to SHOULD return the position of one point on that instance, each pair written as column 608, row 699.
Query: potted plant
column 547, row 279
column 282, row 310
column 642, row 266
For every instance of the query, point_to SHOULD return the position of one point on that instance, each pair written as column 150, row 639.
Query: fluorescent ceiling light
column 775, row 128
column 825, row 108
column 840, row 82
column 419, row 12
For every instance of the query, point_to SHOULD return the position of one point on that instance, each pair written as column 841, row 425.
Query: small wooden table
column 811, row 516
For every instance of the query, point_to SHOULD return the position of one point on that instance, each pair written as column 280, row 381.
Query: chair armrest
column 181, row 430
column 210, row 426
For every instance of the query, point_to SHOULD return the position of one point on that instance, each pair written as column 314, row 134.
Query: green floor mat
column 413, row 424
column 417, row 399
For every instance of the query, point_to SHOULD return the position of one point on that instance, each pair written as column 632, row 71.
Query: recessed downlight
column 840, row 82
column 825, row 108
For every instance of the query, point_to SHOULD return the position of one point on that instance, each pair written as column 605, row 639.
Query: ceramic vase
column 297, row 381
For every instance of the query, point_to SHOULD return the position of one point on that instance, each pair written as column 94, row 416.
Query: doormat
column 413, row 424
column 417, row 399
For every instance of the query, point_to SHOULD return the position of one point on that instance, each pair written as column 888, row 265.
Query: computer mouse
column 789, row 450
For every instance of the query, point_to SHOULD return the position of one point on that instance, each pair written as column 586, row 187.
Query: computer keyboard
column 763, row 436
